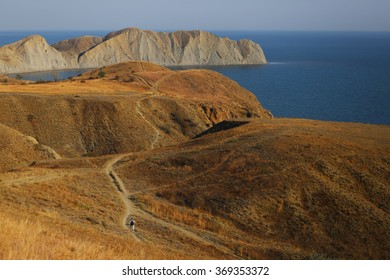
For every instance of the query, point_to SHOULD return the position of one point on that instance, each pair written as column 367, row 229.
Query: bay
column 333, row 76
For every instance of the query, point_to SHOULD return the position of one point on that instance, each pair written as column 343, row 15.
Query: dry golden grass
column 63, row 212
column 96, row 86
column 124, row 110
column 18, row 150
column 191, row 217
column 289, row 188
column 279, row 189
column 30, row 238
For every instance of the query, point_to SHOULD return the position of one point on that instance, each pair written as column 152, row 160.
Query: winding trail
column 155, row 92
column 33, row 179
column 133, row 210
column 139, row 112
column 159, row 82
column 122, row 191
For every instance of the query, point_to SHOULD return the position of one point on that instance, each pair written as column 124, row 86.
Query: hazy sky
column 367, row 15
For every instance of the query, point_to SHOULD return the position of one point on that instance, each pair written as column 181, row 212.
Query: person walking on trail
column 132, row 224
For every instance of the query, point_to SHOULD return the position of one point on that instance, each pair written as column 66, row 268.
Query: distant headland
column 169, row 49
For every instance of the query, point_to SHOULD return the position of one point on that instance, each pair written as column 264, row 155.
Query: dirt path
column 133, row 210
column 155, row 92
column 31, row 179
column 37, row 179
column 139, row 112
column 159, row 82
column 123, row 193
column 185, row 232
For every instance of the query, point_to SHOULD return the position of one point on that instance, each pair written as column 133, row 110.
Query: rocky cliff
column 176, row 48
column 30, row 54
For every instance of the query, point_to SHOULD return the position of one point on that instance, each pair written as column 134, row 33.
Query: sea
column 332, row 76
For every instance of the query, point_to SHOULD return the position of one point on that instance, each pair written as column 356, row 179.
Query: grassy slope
column 276, row 189
column 268, row 189
column 122, row 111
column 68, row 210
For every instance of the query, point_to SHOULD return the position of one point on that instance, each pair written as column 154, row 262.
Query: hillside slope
column 198, row 162
column 257, row 189
column 279, row 189
column 18, row 150
column 132, row 108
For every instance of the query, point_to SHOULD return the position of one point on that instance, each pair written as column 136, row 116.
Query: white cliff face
column 71, row 49
column 30, row 54
column 177, row 48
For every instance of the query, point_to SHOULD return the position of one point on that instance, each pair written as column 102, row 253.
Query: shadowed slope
column 18, row 150
column 176, row 48
column 130, row 107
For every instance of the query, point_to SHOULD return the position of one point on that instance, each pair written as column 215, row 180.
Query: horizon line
column 209, row 30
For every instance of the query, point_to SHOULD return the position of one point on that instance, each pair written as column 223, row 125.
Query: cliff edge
column 169, row 49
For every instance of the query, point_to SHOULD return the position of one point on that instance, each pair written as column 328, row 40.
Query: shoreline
column 190, row 66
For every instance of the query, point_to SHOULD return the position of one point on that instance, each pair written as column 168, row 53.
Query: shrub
column 42, row 81
column 30, row 118
column 102, row 74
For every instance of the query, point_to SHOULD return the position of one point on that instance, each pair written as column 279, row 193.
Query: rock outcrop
column 177, row 48
column 30, row 54
column 78, row 45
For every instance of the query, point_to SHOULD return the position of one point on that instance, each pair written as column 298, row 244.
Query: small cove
column 54, row 75
column 332, row 76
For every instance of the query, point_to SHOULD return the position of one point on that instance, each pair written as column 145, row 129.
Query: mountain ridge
column 197, row 47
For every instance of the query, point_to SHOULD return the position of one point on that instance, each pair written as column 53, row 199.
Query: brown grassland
column 195, row 159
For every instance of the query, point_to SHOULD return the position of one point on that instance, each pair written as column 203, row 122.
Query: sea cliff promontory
column 169, row 49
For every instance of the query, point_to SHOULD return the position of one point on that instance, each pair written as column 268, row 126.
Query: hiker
column 132, row 224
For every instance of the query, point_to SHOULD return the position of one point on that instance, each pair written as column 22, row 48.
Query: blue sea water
column 336, row 76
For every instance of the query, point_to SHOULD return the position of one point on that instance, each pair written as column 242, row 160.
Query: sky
column 264, row 15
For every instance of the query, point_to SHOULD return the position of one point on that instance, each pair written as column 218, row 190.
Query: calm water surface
column 324, row 76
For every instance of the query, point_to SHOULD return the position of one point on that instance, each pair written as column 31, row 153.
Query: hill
column 132, row 108
column 177, row 48
column 267, row 189
column 198, row 162
column 273, row 189
column 19, row 150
